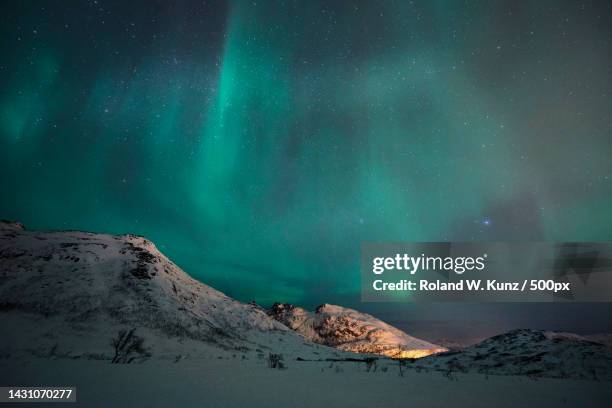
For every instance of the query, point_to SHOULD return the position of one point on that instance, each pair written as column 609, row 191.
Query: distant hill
column 536, row 353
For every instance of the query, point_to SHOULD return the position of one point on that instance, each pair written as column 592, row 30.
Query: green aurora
column 259, row 143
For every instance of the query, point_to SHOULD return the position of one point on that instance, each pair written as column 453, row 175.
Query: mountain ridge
column 350, row 330
column 61, row 286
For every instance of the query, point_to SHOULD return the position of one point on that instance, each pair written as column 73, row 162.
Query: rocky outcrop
column 350, row 330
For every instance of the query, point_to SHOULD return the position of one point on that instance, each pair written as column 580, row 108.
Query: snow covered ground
column 229, row 382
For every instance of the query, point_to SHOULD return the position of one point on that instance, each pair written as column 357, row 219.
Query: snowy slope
column 535, row 353
column 603, row 338
column 69, row 293
column 350, row 330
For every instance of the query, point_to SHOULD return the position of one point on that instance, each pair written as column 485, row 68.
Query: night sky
column 259, row 143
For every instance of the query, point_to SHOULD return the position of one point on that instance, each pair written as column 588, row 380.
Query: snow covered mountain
column 535, row 353
column 350, row 330
column 71, row 293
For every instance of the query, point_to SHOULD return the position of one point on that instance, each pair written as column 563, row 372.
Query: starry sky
column 258, row 143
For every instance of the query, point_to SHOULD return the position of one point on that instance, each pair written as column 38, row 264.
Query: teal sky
column 259, row 143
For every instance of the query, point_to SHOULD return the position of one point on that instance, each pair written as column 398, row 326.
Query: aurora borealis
column 259, row 143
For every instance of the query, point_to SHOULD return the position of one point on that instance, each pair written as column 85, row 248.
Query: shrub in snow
column 128, row 347
column 276, row 361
